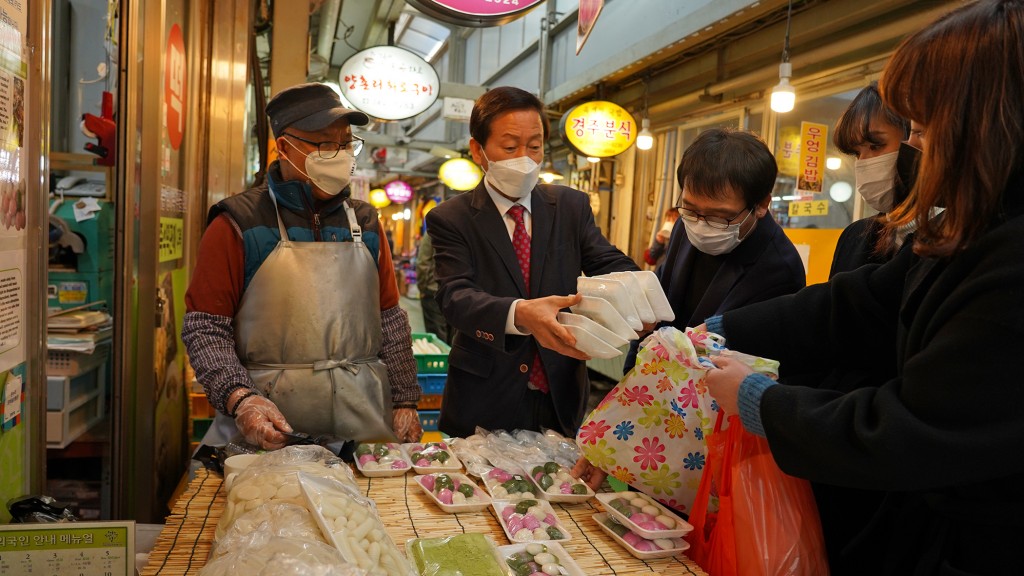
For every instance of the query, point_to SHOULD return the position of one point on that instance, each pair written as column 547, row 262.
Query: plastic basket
column 200, row 406
column 430, row 402
column 428, row 420
column 68, row 363
column 432, row 363
column 432, row 383
column 199, row 428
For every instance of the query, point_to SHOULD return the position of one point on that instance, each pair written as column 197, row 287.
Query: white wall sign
column 389, row 83
column 457, row 109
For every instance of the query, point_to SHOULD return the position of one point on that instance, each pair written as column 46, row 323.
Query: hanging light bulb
column 645, row 139
column 783, row 94
column 548, row 173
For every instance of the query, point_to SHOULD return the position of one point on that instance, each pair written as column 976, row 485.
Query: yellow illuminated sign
column 600, row 129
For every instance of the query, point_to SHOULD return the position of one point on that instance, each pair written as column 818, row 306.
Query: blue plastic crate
column 428, row 420
column 432, row 384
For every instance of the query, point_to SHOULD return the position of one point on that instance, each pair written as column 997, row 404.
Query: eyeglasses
column 713, row 221
column 329, row 149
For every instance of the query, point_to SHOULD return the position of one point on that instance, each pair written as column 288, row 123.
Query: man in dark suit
column 726, row 250
column 507, row 256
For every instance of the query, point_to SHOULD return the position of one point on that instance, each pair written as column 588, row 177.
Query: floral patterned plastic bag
column 649, row 431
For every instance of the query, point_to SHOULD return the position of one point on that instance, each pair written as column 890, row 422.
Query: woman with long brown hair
column 940, row 441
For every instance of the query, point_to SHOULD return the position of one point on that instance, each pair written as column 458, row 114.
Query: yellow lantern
column 460, row 174
column 379, row 198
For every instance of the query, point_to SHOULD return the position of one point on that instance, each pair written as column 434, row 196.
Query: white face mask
column 875, row 180
column 714, row 241
column 514, row 178
column 331, row 175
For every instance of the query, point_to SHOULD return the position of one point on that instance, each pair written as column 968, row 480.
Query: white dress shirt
column 503, row 205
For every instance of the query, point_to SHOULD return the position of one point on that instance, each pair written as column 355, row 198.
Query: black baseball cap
column 309, row 107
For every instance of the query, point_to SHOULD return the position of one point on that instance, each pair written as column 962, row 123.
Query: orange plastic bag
column 767, row 523
column 712, row 540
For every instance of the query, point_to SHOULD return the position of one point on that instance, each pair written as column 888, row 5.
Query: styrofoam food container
column 482, row 499
column 601, row 518
column 544, row 507
column 453, row 464
column 681, row 528
column 571, row 568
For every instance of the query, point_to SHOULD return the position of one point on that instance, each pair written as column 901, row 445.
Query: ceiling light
column 548, row 173
column 593, row 159
column 840, row 191
column 783, row 94
column 833, row 163
column 645, row 139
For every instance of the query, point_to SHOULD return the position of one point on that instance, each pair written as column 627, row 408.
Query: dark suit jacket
column 479, row 278
column 763, row 266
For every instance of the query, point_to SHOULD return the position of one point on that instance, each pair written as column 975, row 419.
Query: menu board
column 71, row 548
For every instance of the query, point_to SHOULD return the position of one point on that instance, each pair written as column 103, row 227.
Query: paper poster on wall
column 12, row 309
column 13, row 71
column 13, row 395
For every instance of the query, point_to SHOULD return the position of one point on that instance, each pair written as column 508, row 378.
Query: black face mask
column 907, row 161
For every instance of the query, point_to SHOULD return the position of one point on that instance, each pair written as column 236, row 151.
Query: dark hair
column 721, row 158
column 962, row 77
column 497, row 101
column 853, row 128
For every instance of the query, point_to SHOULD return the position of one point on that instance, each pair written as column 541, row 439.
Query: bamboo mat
column 187, row 538
column 407, row 512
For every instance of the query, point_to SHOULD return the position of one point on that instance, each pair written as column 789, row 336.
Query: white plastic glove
column 259, row 420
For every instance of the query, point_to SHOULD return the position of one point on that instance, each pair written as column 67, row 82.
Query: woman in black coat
column 885, row 167
column 943, row 438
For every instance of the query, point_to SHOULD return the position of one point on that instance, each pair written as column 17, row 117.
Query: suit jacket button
column 524, row 368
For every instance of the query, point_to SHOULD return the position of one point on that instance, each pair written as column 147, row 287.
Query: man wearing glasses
column 725, row 250
column 292, row 321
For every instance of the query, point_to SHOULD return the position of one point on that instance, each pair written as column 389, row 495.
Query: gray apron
column 309, row 332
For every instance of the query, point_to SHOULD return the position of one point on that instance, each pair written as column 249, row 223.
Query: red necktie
column 521, row 244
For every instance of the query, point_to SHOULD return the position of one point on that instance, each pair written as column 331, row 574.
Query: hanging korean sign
column 398, row 191
column 174, row 87
column 587, row 17
column 813, row 138
column 475, row 13
column 389, row 82
column 600, row 129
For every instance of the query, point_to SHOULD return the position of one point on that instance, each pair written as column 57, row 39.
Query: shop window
column 835, row 204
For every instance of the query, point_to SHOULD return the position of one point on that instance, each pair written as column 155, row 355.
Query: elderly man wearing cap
column 292, row 319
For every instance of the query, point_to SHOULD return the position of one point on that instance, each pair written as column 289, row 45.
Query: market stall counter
column 407, row 512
